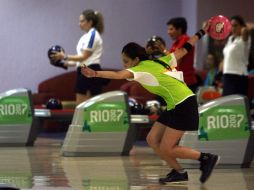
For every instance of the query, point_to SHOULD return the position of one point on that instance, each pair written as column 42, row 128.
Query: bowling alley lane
column 43, row 167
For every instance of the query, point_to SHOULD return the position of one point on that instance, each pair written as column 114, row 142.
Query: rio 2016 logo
column 113, row 115
column 106, row 117
column 225, row 121
column 13, row 109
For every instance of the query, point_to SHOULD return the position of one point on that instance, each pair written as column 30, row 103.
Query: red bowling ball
column 220, row 27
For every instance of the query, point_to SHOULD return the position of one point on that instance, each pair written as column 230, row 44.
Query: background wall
column 29, row 28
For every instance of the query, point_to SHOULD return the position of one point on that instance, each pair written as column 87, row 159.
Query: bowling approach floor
column 42, row 167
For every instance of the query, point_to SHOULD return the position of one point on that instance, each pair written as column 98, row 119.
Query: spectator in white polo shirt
column 89, row 52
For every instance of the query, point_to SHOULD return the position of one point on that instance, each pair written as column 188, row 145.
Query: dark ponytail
column 96, row 18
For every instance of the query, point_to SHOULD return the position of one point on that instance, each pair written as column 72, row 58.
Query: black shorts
column 235, row 84
column 94, row 85
column 183, row 117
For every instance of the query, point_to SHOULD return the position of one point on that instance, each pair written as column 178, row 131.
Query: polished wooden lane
column 42, row 167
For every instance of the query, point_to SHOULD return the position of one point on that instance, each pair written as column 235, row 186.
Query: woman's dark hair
column 133, row 50
column 96, row 18
column 239, row 19
column 179, row 23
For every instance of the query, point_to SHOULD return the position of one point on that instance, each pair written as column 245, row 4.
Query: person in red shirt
column 177, row 28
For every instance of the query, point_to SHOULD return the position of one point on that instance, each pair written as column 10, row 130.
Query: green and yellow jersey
column 157, row 79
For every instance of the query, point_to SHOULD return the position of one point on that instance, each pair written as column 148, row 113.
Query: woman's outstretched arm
column 123, row 74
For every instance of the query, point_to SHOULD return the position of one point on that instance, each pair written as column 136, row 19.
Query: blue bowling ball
column 59, row 63
column 54, row 49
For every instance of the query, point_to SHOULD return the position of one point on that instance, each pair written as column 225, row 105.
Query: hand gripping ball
column 220, row 27
column 54, row 49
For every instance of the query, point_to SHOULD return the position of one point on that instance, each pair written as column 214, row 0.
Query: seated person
column 214, row 75
column 211, row 66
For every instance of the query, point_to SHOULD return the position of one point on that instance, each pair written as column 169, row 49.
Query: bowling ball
column 139, row 109
column 54, row 103
column 132, row 102
column 135, row 107
column 54, row 49
column 220, row 27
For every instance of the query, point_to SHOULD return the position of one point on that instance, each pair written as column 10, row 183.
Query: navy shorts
column 183, row 117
